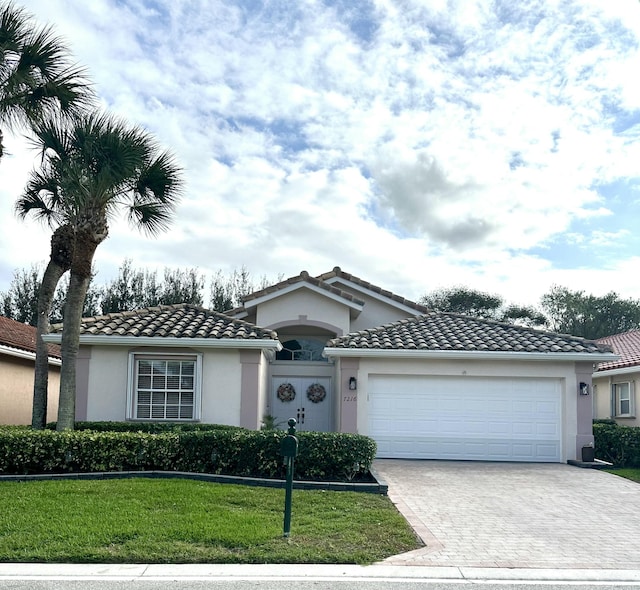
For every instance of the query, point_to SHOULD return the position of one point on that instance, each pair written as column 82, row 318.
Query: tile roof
column 303, row 277
column 171, row 321
column 22, row 336
column 320, row 281
column 627, row 345
column 339, row 273
column 452, row 332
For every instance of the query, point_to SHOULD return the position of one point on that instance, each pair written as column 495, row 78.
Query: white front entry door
column 293, row 397
column 486, row 419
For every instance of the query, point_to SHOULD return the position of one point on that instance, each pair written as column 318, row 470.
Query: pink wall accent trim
column 584, row 414
column 250, row 361
column 348, row 404
column 303, row 321
column 82, row 382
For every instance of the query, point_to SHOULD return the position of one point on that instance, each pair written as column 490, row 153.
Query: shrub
column 617, row 444
column 151, row 427
column 221, row 450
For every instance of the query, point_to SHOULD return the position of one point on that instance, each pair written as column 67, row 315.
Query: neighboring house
column 615, row 383
column 340, row 354
column 17, row 360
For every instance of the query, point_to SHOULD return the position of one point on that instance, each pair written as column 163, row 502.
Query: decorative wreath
column 316, row 392
column 286, row 392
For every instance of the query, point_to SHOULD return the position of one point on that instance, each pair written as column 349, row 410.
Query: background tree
column 182, row 286
column 589, row 316
column 20, row 301
column 227, row 291
column 477, row 304
column 37, row 76
column 92, row 167
column 133, row 288
column 137, row 288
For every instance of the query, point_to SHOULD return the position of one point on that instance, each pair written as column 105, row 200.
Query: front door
column 307, row 399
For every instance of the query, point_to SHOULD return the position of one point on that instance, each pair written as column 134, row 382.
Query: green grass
column 628, row 473
column 185, row 521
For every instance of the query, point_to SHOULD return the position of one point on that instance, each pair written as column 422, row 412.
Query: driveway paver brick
column 515, row 515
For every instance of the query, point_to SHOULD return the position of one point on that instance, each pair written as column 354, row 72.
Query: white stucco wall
column 107, row 387
column 221, row 384
column 376, row 312
column 471, row 369
column 304, row 306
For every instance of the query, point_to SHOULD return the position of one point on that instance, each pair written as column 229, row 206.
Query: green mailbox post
column 289, row 450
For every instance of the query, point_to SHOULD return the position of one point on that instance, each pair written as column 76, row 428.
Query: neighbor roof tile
column 626, row 345
column 22, row 336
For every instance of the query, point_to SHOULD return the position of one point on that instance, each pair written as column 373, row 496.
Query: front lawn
column 185, row 521
column 629, row 473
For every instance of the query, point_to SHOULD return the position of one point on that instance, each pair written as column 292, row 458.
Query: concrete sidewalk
column 381, row 572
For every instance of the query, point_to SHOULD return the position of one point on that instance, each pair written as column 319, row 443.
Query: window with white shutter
column 164, row 387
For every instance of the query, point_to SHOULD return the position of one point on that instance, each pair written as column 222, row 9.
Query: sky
column 417, row 144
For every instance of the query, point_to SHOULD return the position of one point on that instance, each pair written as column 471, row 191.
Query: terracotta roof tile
column 171, row 321
column 446, row 331
column 626, row 345
column 22, row 336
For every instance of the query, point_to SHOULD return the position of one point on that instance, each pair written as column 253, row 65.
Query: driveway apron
column 515, row 515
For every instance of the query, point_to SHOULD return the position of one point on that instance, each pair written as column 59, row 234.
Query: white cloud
column 433, row 144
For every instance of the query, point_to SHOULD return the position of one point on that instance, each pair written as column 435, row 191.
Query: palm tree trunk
column 79, row 280
column 62, row 243
column 50, row 279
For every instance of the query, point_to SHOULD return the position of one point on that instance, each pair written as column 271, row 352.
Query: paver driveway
column 515, row 514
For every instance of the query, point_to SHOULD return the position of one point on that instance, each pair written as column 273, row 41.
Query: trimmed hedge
column 323, row 456
column 151, row 427
column 617, row 444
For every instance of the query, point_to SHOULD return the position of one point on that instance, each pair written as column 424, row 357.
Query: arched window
column 301, row 349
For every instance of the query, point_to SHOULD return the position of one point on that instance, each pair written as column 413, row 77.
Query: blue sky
column 417, row 145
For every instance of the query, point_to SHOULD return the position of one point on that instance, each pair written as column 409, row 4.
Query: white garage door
column 488, row 419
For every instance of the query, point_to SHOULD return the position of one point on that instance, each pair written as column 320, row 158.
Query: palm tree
column 38, row 80
column 37, row 76
column 91, row 168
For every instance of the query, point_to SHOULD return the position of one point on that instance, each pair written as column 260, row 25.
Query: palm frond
column 37, row 75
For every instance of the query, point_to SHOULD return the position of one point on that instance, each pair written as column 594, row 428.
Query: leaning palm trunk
column 86, row 244
column 62, row 243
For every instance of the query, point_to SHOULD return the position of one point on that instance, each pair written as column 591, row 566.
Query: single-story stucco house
column 17, row 362
column 615, row 382
column 340, row 354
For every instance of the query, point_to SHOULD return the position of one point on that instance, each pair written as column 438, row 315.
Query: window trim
column 131, row 410
column 615, row 399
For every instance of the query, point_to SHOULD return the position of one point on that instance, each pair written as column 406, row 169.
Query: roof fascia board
column 303, row 285
column 374, row 295
column 25, row 354
column 619, row 371
column 468, row 354
column 159, row 341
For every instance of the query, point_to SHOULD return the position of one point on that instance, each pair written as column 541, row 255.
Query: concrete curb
column 40, row 571
column 377, row 487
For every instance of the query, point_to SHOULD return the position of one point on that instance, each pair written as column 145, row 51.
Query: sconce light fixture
column 584, row 388
column 353, row 383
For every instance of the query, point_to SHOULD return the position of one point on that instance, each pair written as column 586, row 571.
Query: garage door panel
column 451, row 418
